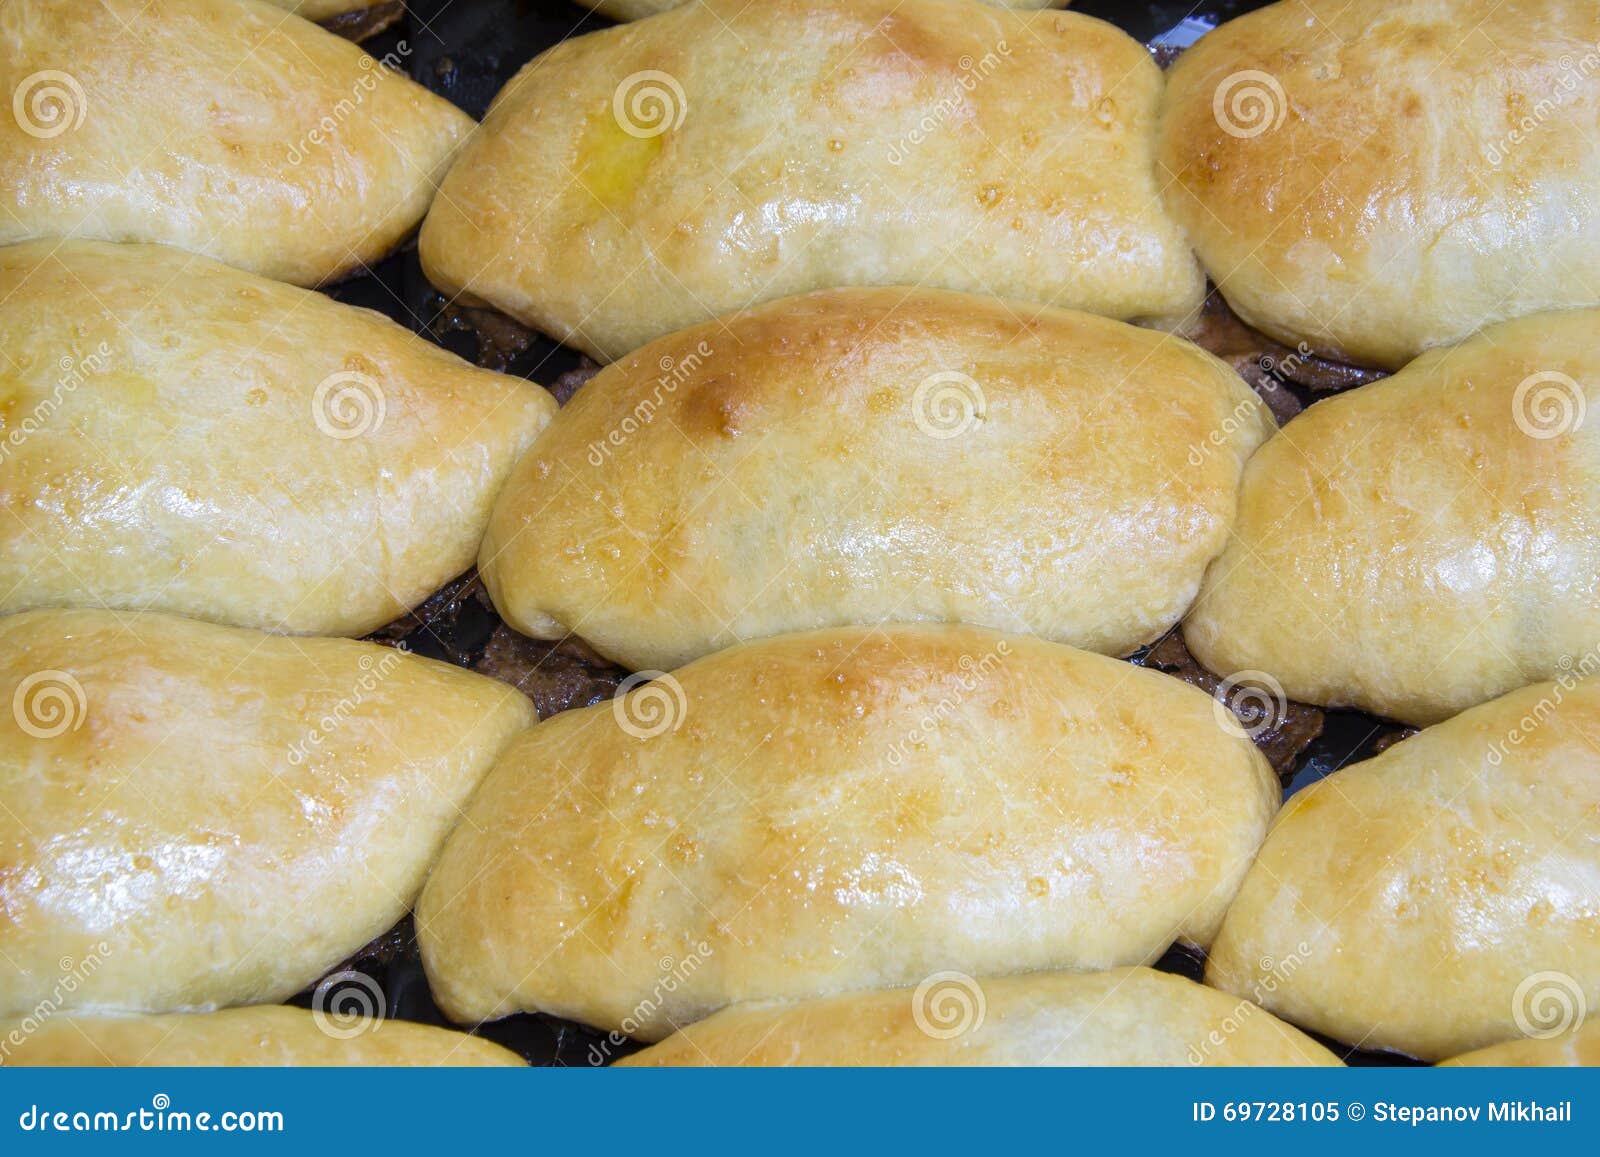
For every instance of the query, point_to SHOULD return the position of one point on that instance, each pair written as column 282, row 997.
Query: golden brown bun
column 261, row 1037
column 177, row 435
column 638, row 9
column 198, row 816
column 838, row 810
column 323, row 9
column 1439, row 897
column 1377, row 177
column 217, row 126
column 642, row 179
column 1580, row 1048
column 1425, row 543
column 1129, row 1016
column 862, row 455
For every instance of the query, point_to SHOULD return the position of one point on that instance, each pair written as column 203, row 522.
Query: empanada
column 215, row 816
column 1129, row 1016
column 1576, row 1049
column 638, row 9
column 266, row 1036
column 324, row 9
column 1426, row 542
column 641, row 179
column 1377, row 177
column 837, row 810
column 1442, row 896
column 217, row 126
column 177, row 435
column 862, row 455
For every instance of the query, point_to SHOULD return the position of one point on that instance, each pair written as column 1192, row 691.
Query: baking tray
column 466, row 50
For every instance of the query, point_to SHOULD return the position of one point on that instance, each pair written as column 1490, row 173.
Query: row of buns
column 790, row 820
column 181, row 436
column 1371, row 178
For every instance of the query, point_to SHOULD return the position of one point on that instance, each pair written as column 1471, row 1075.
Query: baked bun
column 638, row 9
column 838, row 810
column 1424, row 543
column 260, row 1037
column 214, row 816
column 863, row 455
column 1129, row 1016
column 177, row 435
column 645, row 178
column 1439, row 897
column 1377, row 177
column 217, row 126
column 1576, row 1048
